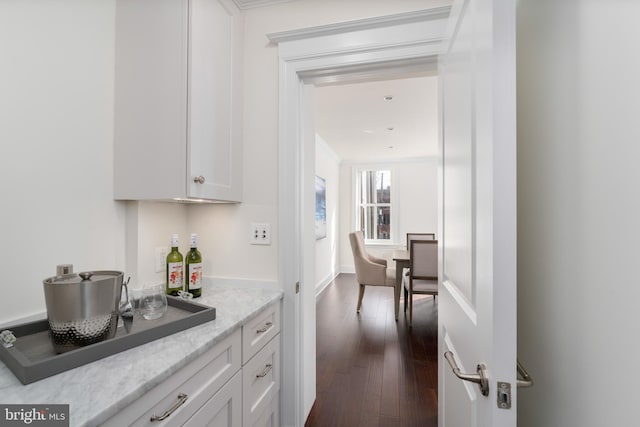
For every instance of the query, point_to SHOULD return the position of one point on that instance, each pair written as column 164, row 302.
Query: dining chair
column 422, row 275
column 372, row 271
column 419, row 236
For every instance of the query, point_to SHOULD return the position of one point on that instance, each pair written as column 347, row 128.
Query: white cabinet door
column 224, row 409
column 178, row 95
column 477, row 304
column 270, row 415
column 214, row 110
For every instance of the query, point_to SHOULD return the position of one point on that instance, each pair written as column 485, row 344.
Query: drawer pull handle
column 181, row 399
column 268, row 326
column 265, row 372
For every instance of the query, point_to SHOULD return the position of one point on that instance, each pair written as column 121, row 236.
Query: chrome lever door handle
column 524, row 379
column 480, row 378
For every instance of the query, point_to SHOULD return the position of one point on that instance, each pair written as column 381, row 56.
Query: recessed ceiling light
column 368, row 131
column 388, row 97
column 390, row 147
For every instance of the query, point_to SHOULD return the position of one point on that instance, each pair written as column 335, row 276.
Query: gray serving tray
column 33, row 358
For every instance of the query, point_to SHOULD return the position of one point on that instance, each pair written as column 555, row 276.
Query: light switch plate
column 161, row 258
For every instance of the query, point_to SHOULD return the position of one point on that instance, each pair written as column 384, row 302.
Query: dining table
column 401, row 258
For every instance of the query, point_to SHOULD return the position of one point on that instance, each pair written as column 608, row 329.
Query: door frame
column 382, row 47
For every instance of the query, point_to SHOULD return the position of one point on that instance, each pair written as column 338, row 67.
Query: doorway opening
column 392, row 124
column 374, row 48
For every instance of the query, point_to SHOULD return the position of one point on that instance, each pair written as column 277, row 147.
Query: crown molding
column 360, row 24
column 250, row 4
column 388, row 162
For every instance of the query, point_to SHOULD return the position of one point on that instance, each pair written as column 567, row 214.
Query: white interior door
column 477, row 230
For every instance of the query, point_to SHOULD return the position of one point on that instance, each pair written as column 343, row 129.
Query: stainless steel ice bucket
column 82, row 308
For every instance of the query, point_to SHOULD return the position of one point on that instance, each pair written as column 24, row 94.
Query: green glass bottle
column 175, row 273
column 194, row 269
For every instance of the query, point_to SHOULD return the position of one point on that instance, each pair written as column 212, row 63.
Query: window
column 374, row 208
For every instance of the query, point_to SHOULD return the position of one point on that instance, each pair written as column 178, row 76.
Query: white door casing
column 353, row 51
column 477, row 227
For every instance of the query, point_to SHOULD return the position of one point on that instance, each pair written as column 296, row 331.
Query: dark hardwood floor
column 372, row 371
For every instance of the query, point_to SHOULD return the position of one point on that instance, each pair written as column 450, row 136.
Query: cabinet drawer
column 261, row 381
column 199, row 381
column 224, row 409
column 270, row 415
column 259, row 331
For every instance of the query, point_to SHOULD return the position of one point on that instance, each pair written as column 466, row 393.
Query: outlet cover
column 161, row 258
column 260, row 234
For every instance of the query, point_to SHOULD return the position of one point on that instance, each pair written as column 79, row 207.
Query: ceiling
column 360, row 123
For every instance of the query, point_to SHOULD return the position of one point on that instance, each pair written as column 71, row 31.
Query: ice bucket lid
column 85, row 276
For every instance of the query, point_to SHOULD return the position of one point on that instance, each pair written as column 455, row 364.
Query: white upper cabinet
column 178, row 93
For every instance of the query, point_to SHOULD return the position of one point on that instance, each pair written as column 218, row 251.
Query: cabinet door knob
column 199, row 179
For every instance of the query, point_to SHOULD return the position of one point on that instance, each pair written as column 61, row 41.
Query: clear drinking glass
column 153, row 302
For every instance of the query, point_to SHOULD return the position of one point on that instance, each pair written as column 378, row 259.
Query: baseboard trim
column 322, row 286
column 348, row 269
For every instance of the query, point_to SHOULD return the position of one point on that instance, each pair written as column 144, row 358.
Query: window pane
column 374, row 204
column 383, row 187
column 383, row 228
column 368, row 187
column 367, row 221
column 376, row 222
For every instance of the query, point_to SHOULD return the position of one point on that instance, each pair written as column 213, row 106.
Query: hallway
column 372, row 371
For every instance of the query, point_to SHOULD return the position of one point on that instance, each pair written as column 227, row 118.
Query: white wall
column 328, row 167
column 56, row 131
column 150, row 225
column 578, row 212
column 416, row 181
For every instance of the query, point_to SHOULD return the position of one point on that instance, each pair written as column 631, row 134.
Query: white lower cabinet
column 270, row 415
column 224, row 409
column 261, row 385
column 218, row 389
column 175, row 400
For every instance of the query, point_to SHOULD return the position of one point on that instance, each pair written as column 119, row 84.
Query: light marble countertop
column 100, row 389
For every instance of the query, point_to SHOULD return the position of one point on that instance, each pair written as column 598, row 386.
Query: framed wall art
column 321, row 208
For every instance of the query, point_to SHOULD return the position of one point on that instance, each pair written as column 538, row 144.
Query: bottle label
column 174, row 273
column 195, row 275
